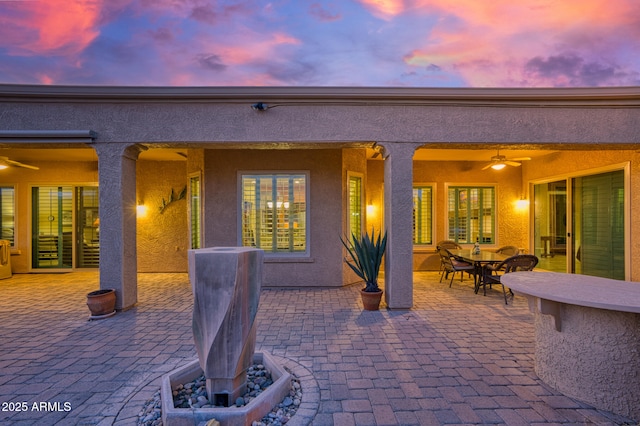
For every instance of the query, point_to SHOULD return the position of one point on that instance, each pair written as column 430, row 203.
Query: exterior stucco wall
column 511, row 223
column 323, row 266
column 195, row 160
column 162, row 238
column 593, row 359
column 414, row 115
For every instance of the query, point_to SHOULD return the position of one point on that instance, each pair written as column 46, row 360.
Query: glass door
column 88, row 231
column 599, row 225
column 65, row 231
column 52, row 229
column 550, row 225
column 579, row 225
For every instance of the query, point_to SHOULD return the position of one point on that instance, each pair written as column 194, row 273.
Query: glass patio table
column 485, row 257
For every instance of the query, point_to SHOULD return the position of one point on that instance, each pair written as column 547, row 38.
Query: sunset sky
column 411, row 43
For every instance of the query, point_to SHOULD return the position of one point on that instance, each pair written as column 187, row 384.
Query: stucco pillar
column 117, row 187
column 398, row 219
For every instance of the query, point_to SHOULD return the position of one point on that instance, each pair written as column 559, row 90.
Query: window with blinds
column 471, row 214
column 194, row 211
column 8, row 218
column 355, row 206
column 274, row 212
column 422, row 215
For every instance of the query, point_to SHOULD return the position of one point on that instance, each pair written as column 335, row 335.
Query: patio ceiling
column 171, row 154
column 480, row 155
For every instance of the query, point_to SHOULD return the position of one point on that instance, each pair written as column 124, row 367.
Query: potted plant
column 365, row 259
column 102, row 303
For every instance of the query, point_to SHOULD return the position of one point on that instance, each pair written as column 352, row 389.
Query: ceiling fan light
column 498, row 166
column 3, row 165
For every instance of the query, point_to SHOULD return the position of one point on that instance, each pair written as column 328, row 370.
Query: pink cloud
column 493, row 43
column 251, row 47
column 49, row 27
column 384, row 9
column 241, row 58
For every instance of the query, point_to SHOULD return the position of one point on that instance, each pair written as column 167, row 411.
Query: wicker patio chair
column 491, row 274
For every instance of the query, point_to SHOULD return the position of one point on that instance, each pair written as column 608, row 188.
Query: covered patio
column 389, row 137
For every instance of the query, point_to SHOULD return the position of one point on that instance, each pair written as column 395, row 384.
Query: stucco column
column 398, row 219
column 117, row 187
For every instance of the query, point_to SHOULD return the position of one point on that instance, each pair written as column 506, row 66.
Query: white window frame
column 494, row 214
column 15, row 215
column 431, row 185
column 360, row 176
column 306, row 174
column 191, row 214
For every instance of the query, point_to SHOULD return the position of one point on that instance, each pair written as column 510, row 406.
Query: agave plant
column 366, row 257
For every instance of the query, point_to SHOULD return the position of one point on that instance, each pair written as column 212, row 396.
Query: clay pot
column 371, row 299
column 102, row 303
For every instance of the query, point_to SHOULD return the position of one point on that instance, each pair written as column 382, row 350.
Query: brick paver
column 456, row 358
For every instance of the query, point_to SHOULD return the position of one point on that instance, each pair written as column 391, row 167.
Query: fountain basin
column 227, row 416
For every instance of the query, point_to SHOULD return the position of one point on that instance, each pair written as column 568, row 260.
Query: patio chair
column 451, row 265
column 491, row 274
column 449, row 245
column 508, row 250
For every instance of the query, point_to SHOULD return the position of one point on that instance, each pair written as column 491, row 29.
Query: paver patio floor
column 455, row 358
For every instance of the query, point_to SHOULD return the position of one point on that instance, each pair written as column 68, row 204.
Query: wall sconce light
column 371, row 210
column 141, row 209
column 259, row 106
column 522, row 204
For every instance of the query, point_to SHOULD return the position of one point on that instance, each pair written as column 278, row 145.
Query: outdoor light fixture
column 499, row 162
column 141, row 209
column 259, row 106
column 522, row 204
column 371, row 210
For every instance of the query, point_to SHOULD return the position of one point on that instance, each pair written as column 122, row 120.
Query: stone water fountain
column 226, row 285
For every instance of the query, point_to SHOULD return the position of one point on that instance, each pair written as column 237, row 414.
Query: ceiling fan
column 5, row 162
column 499, row 162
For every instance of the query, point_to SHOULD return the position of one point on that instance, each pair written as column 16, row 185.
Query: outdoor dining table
column 485, row 257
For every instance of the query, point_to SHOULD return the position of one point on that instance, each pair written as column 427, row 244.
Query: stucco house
column 128, row 179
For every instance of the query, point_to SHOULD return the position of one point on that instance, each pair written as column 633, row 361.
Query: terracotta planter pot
column 371, row 299
column 102, row 303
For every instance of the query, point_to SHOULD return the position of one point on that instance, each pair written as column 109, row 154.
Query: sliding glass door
column 65, row 226
column 579, row 224
column 598, row 222
column 88, row 227
column 550, row 225
column 52, row 231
